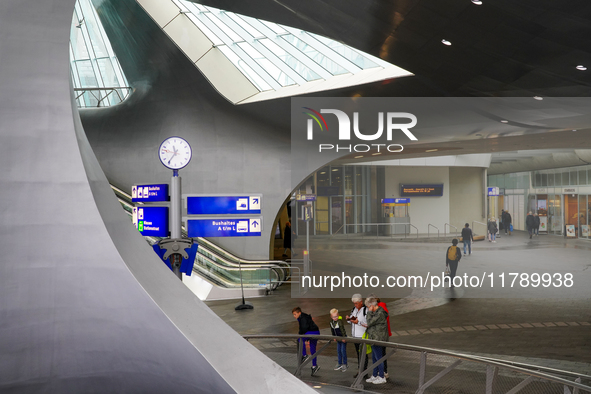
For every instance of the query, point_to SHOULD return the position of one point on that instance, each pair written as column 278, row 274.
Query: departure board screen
column 421, row 190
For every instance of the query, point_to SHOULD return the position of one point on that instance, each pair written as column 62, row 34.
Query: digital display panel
column 413, row 190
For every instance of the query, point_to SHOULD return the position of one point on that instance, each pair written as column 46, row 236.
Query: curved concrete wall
column 85, row 305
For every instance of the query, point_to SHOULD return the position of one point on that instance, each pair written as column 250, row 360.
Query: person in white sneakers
column 377, row 330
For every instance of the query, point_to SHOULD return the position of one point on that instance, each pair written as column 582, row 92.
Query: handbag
column 511, row 227
column 447, row 272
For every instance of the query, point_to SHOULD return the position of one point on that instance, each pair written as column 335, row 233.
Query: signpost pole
column 175, row 219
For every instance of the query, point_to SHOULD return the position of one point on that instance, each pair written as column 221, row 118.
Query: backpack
column 452, row 253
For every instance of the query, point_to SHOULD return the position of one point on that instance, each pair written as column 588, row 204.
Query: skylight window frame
column 262, row 49
column 324, row 50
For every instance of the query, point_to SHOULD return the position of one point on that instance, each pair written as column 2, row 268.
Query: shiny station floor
column 554, row 332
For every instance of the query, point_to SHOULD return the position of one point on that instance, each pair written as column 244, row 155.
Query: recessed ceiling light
column 477, row 2
column 375, row 154
column 574, row 130
column 324, row 172
column 445, row 42
column 432, row 150
column 581, row 67
column 504, row 121
column 358, row 157
column 538, row 98
column 335, row 169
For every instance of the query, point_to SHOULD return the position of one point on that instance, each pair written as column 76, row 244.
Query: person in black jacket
column 452, row 258
column 507, row 222
column 467, row 238
column 530, row 223
column 536, row 224
column 307, row 326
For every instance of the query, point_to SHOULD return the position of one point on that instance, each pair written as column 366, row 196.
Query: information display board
column 150, row 193
column 412, row 190
column 224, row 227
column 151, row 221
column 223, row 205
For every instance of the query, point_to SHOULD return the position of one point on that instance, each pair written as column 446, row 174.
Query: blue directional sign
column 305, row 197
column 493, row 191
column 152, row 221
column 150, row 193
column 223, row 205
column 395, row 200
column 235, row 227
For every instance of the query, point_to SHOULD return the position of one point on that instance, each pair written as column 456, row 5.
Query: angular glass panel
column 245, row 25
column 347, row 52
column 291, row 61
column 269, row 67
column 313, row 54
column 246, row 70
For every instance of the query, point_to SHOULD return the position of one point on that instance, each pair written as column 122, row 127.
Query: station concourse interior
column 86, row 303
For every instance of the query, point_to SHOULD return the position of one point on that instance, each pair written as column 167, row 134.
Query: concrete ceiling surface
column 500, row 48
column 86, row 306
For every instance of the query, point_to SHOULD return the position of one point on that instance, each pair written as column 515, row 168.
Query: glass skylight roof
column 96, row 75
column 273, row 56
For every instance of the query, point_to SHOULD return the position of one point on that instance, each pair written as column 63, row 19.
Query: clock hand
column 173, row 155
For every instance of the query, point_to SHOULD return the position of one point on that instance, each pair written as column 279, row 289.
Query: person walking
column 467, row 238
column 507, row 223
column 492, row 230
column 452, row 258
column 536, row 224
column 377, row 330
column 307, row 327
column 530, row 222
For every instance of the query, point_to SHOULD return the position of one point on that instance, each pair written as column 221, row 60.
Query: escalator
column 216, row 273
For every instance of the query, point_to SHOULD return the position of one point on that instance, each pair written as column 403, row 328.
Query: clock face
column 175, row 153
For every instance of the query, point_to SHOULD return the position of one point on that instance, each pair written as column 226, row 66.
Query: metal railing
column 428, row 232
column 377, row 233
column 99, row 95
column 420, row 368
column 444, row 228
column 485, row 227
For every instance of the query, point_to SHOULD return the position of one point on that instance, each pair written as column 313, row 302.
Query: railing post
column 422, row 369
column 491, row 375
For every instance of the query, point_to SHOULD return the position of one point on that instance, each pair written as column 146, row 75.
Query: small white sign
column 140, row 192
column 242, row 226
column 146, row 191
column 140, row 214
column 133, row 192
column 255, row 202
column 242, row 204
column 255, row 225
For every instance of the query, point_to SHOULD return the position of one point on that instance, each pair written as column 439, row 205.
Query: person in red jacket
column 384, row 307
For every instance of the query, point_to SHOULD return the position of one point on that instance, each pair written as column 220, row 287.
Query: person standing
column 536, row 224
column 377, row 330
column 338, row 329
column 507, row 222
column 467, row 238
column 452, row 258
column 307, row 327
column 530, row 222
column 492, row 230
column 288, row 234
column 357, row 319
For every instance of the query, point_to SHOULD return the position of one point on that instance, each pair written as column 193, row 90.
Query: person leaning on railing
column 377, row 330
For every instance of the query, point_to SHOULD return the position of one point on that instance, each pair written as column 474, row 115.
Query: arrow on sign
column 255, row 224
column 255, row 201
